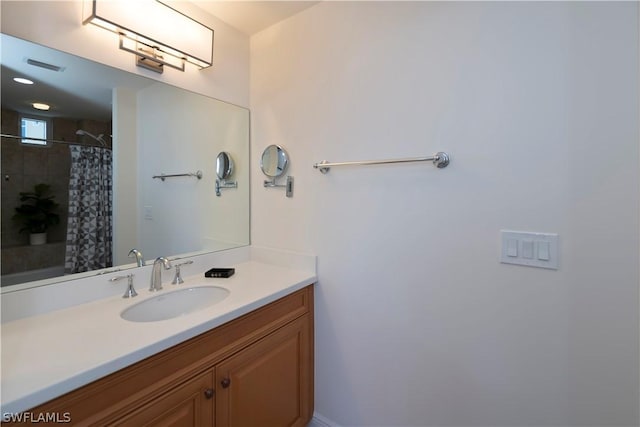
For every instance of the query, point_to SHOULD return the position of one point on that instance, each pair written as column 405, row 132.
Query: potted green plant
column 36, row 214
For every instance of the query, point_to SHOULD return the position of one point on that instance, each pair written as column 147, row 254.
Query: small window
column 34, row 130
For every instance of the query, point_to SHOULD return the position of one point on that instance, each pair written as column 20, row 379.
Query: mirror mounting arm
column 221, row 183
column 288, row 186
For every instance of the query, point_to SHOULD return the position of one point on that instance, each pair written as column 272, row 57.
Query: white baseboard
column 320, row 421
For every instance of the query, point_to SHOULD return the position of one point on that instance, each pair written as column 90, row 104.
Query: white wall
column 58, row 24
column 417, row 323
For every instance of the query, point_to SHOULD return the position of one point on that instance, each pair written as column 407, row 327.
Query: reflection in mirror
column 224, row 170
column 224, row 165
column 144, row 126
column 274, row 161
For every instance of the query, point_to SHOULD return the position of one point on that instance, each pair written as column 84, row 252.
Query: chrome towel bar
column 162, row 176
column 440, row 160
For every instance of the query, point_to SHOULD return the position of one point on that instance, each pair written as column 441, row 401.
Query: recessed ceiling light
column 22, row 80
column 40, row 106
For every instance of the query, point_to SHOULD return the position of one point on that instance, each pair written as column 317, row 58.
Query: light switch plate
column 532, row 249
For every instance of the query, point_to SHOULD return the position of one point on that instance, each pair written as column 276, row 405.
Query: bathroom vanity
column 255, row 370
column 247, row 360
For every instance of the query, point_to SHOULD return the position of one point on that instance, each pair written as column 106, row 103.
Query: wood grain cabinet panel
column 267, row 356
column 267, row 384
column 188, row 405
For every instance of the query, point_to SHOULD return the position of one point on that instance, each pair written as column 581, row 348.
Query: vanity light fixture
column 157, row 34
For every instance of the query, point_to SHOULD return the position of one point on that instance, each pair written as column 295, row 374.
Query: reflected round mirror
column 274, row 161
column 224, row 165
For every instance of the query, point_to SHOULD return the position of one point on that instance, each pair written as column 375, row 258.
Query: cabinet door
column 189, row 404
column 268, row 384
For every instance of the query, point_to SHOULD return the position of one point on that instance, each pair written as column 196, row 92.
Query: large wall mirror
column 95, row 154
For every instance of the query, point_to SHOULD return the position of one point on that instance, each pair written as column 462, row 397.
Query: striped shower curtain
column 90, row 224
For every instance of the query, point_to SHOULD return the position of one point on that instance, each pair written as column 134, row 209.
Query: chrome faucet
column 138, row 255
column 156, row 273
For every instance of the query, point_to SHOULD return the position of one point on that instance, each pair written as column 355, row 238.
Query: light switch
column 148, row 212
column 512, row 247
column 543, row 251
column 527, row 249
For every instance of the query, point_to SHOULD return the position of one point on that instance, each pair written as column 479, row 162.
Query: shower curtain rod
column 57, row 141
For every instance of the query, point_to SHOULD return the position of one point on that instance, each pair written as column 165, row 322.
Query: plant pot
column 38, row 238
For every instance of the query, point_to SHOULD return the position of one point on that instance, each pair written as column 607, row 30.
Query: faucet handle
column 177, row 279
column 130, row 292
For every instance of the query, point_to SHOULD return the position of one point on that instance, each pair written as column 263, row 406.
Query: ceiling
column 251, row 17
column 82, row 88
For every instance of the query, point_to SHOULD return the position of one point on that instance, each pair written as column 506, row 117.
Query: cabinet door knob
column 208, row 393
column 226, row 382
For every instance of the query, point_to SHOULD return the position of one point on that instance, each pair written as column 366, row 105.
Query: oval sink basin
column 175, row 303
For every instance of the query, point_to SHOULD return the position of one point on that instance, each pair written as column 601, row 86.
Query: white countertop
column 47, row 355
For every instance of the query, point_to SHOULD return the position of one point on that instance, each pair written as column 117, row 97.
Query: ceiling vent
column 45, row 65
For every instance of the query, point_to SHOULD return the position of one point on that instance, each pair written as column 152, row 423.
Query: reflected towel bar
column 440, row 160
column 162, row 176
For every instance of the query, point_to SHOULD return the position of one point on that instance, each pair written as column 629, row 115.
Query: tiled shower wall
column 25, row 166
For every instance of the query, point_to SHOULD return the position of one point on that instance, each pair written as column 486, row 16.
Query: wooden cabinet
column 268, row 383
column 256, row 370
column 189, row 404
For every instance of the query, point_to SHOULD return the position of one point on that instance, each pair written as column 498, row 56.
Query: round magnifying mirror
column 224, row 165
column 274, row 161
